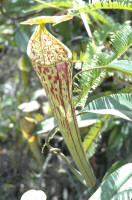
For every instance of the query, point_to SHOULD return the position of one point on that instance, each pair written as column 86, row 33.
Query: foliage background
column 19, row 84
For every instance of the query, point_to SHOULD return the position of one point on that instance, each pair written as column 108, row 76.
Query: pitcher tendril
column 52, row 61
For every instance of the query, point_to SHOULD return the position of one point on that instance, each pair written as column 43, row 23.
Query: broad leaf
column 114, row 167
column 87, row 119
column 21, row 40
column 84, row 120
column 45, row 126
column 121, row 65
column 117, row 104
column 116, row 186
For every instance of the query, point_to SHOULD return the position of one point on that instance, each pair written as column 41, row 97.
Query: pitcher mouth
column 52, row 51
column 59, row 47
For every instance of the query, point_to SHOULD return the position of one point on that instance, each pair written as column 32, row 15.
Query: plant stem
column 84, row 19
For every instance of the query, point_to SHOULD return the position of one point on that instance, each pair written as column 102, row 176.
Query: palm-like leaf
column 116, row 186
column 117, row 104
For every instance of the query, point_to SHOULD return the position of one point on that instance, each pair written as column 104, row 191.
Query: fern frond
column 100, row 16
column 88, row 82
column 118, row 4
column 121, row 40
column 104, row 33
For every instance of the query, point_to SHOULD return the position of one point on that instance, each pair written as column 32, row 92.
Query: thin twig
column 80, row 4
column 58, row 152
column 49, row 137
column 74, row 171
column 87, row 27
column 44, row 167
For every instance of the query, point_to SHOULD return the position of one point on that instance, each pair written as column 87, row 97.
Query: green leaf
column 92, row 137
column 51, row 4
column 127, row 195
column 122, row 40
column 114, row 167
column 90, row 79
column 90, row 140
column 117, row 186
column 88, row 82
column 117, row 104
column 16, row 7
column 124, row 66
column 116, row 140
column 45, row 126
column 21, row 40
column 87, row 119
column 83, row 120
column 119, row 4
column 121, row 65
column 100, row 16
column 38, row 7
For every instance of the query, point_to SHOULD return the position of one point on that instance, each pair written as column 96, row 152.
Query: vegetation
column 33, row 154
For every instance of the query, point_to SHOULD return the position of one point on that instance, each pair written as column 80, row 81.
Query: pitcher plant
column 52, row 62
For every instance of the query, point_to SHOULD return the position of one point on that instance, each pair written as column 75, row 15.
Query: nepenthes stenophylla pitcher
column 52, row 62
